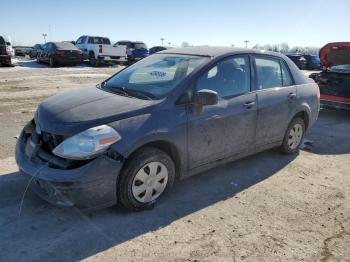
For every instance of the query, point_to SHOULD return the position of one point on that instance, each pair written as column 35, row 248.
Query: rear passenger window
column 230, row 77
column 286, row 78
column 268, row 73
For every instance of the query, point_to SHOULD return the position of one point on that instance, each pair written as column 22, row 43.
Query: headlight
column 88, row 143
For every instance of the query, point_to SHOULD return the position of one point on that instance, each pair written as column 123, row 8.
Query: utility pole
column 162, row 39
column 44, row 35
column 246, row 43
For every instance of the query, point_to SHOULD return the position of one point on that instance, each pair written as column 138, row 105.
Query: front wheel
column 147, row 176
column 294, row 136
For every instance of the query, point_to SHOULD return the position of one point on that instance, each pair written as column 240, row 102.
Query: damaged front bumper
column 89, row 186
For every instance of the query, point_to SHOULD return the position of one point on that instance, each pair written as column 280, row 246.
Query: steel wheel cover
column 150, row 182
column 295, row 136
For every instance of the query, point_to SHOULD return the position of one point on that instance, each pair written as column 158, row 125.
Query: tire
column 294, row 136
column 52, row 62
column 93, row 61
column 137, row 184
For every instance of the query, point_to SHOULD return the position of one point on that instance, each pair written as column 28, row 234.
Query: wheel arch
column 303, row 114
column 166, row 146
column 91, row 52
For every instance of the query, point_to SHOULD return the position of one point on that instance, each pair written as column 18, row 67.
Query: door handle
column 249, row 105
column 292, row 95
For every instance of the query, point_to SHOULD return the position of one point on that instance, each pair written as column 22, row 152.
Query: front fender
column 143, row 129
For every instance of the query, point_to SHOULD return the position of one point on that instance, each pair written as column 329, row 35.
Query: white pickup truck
column 99, row 50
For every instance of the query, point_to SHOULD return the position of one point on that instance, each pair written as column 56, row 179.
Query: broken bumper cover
column 90, row 186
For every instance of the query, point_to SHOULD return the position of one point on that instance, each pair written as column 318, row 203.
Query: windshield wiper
column 143, row 94
column 120, row 90
column 129, row 92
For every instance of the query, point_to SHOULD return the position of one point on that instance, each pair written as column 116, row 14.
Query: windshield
column 140, row 46
column 2, row 41
column 155, row 76
column 65, row 46
column 340, row 68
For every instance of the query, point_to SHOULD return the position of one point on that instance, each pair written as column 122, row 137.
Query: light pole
column 246, row 43
column 169, row 43
column 162, row 39
column 44, row 35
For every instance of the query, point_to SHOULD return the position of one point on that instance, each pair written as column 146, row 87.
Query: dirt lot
column 266, row 207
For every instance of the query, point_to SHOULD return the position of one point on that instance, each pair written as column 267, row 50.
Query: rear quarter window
column 286, row 77
column 99, row 41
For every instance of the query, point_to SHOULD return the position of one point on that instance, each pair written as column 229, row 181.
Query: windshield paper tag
column 157, row 74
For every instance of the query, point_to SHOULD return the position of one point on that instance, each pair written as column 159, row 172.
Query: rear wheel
column 294, row 136
column 147, row 176
column 93, row 61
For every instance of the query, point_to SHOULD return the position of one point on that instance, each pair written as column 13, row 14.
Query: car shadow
column 330, row 134
column 40, row 231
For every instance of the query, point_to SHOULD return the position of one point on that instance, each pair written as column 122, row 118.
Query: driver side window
column 230, row 77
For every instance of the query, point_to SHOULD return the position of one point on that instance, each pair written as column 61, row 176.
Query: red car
column 334, row 80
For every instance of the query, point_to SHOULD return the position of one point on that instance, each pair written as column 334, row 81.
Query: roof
column 94, row 36
column 138, row 42
column 214, row 51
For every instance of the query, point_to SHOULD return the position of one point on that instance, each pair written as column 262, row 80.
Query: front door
column 228, row 127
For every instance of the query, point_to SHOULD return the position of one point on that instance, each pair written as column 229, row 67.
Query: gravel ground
column 267, row 207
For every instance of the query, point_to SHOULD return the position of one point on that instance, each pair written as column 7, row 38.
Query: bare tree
column 284, row 47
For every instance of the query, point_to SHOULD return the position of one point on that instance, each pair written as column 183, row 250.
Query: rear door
column 228, row 127
column 276, row 95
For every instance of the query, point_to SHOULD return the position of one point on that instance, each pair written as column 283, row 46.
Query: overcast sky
column 206, row 22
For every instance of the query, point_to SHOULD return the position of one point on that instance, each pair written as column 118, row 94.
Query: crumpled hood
column 334, row 54
column 70, row 112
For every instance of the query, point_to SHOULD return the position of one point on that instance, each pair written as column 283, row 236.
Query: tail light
column 100, row 50
column 60, row 53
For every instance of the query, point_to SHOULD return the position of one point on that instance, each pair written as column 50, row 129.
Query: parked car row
column 94, row 49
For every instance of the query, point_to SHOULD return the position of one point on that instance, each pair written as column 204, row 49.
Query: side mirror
column 206, row 97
